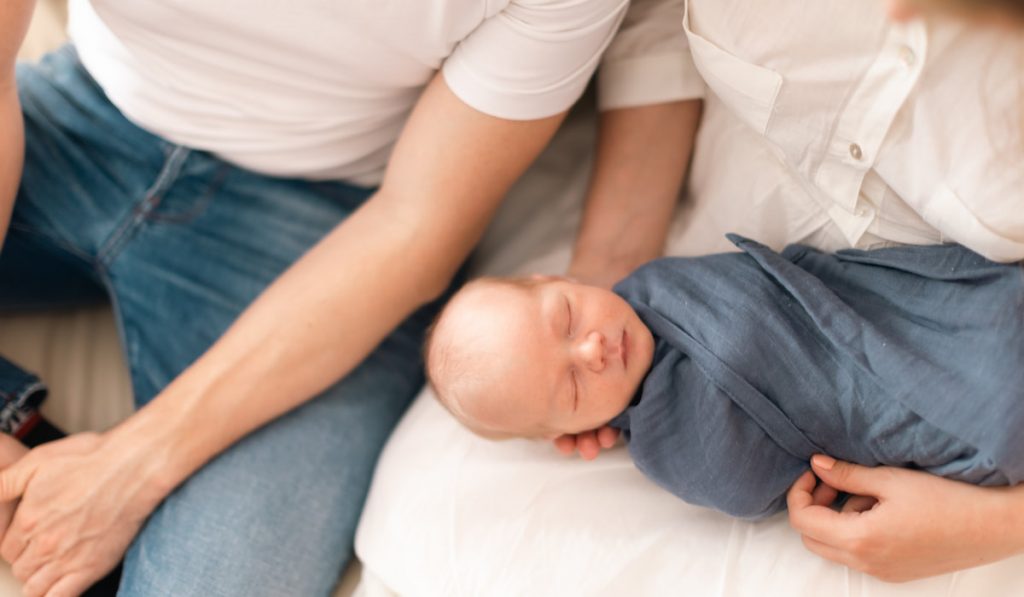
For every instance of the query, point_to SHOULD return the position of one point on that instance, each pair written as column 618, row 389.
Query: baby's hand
column 589, row 443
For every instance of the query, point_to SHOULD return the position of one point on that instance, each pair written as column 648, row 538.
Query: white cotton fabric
column 827, row 124
column 454, row 515
column 450, row 514
column 648, row 62
column 320, row 89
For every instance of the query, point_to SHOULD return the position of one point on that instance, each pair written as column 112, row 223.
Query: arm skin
column 84, row 498
column 14, row 19
column 901, row 524
column 641, row 162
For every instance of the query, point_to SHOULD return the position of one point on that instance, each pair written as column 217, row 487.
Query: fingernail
column 823, row 462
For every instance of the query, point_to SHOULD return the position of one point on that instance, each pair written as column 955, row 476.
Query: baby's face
column 540, row 359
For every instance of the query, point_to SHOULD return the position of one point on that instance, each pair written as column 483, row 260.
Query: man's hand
column 82, row 501
column 901, row 524
column 10, row 451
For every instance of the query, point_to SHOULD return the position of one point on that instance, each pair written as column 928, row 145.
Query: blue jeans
column 181, row 242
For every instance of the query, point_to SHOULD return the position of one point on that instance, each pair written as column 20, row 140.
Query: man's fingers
column 848, row 477
column 41, row 580
column 71, row 585
column 14, row 479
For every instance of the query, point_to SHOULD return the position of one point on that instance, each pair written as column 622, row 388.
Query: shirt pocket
column 748, row 90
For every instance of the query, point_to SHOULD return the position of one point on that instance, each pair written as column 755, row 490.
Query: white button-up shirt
column 828, row 124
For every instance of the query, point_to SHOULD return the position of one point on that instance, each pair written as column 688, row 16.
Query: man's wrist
column 167, row 448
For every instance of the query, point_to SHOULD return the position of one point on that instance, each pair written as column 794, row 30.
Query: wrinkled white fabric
column 825, row 123
column 322, row 88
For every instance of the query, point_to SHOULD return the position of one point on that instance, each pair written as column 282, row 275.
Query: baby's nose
column 592, row 351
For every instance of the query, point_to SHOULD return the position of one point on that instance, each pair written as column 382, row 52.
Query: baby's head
column 536, row 357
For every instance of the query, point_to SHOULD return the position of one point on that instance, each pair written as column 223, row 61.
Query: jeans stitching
column 151, row 199
column 198, row 207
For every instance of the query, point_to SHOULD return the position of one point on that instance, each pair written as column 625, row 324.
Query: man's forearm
column 328, row 311
column 310, row 327
column 639, row 168
column 12, row 152
column 14, row 19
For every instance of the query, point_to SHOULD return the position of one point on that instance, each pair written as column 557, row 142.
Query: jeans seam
column 199, row 205
column 151, row 199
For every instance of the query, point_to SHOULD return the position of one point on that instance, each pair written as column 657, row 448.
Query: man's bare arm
column 14, row 18
column 450, row 170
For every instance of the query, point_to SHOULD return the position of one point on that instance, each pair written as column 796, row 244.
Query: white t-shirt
column 321, row 88
column 826, row 123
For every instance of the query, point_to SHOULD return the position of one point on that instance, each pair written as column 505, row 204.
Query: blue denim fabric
column 181, row 242
column 908, row 356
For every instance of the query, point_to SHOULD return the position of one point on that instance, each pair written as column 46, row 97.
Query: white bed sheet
column 452, row 514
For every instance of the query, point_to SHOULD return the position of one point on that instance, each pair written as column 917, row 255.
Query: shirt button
column 855, row 151
column 907, row 55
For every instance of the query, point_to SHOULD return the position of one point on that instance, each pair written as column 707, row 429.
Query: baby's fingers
column 586, row 443
column 566, row 444
column 607, row 436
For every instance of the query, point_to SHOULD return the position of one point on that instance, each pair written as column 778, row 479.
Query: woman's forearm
column 639, row 168
column 1013, row 515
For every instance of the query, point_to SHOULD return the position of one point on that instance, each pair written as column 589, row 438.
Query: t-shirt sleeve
column 533, row 59
column 649, row 60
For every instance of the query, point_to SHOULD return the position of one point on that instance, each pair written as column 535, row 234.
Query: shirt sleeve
column 649, row 61
column 533, row 59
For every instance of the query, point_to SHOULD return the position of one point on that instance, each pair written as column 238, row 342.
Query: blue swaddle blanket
column 909, row 356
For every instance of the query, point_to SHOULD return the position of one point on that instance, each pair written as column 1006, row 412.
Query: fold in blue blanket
column 910, row 356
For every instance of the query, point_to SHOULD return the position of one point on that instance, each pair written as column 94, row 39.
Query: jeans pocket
column 188, row 198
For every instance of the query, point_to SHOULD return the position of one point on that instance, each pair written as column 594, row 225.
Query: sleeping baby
column 726, row 373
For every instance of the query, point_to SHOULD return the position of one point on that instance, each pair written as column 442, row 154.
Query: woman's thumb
column 846, row 476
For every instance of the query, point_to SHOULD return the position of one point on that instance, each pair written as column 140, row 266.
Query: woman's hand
column 901, row 524
column 82, row 502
